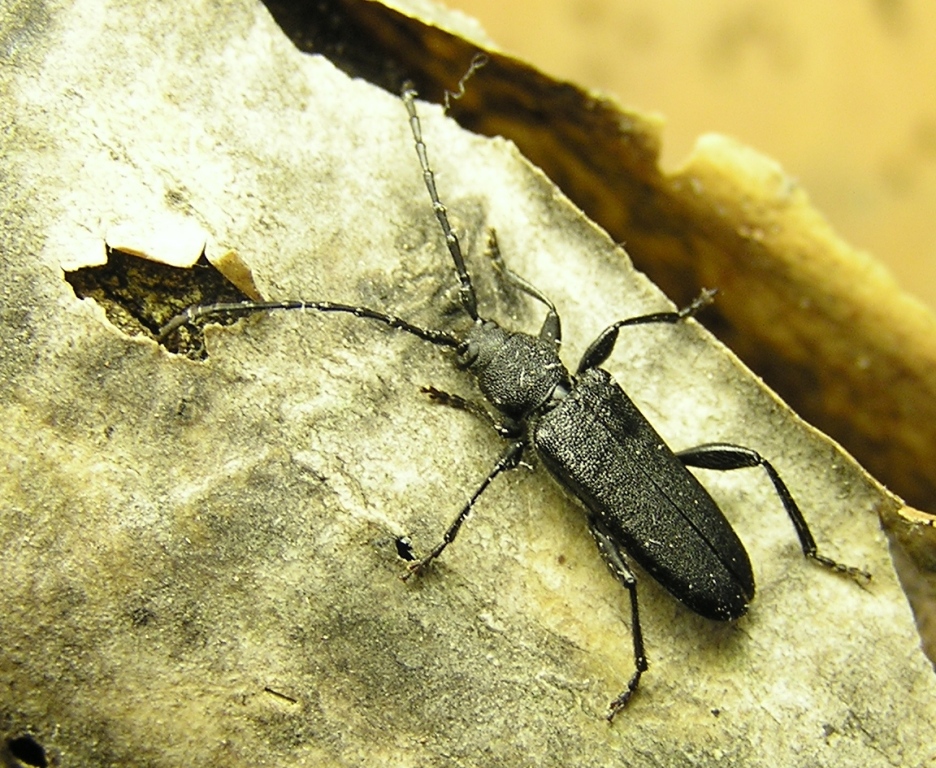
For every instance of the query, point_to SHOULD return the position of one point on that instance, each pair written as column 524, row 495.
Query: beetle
column 640, row 499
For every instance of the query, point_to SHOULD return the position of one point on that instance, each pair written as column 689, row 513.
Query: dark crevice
column 376, row 43
column 25, row 750
column 329, row 28
column 404, row 548
column 140, row 296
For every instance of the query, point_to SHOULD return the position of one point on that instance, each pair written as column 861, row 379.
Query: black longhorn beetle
column 638, row 494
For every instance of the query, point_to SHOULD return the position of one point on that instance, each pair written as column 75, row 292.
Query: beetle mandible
column 639, row 497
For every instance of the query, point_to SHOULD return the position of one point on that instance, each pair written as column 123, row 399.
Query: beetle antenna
column 466, row 290
column 477, row 61
column 439, row 338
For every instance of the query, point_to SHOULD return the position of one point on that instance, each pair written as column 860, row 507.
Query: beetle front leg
column 506, row 429
column 509, row 460
column 614, row 558
column 551, row 329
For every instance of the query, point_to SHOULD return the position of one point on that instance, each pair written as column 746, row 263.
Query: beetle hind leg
column 614, row 558
column 725, row 456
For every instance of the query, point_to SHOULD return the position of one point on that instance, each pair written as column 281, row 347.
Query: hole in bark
column 27, row 751
column 404, row 548
column 139, row 296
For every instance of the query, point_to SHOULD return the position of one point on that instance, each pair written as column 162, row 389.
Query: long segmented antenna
column 477, row 61
column 441, row 338
column 466, row 290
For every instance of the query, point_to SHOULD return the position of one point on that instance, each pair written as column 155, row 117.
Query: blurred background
column 842, row 94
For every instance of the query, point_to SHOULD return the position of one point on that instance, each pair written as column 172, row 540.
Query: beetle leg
column 509, row 460
column 506, row 429
column 599, row 350
column 725, row 456
column 551, row 329
column 614, row 558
